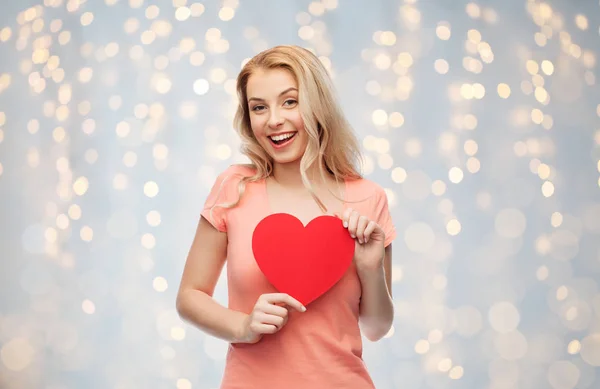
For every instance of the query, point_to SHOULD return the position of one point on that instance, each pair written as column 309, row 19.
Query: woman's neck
column 288, row 175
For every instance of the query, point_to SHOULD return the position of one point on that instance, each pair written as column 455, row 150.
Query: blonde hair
column 331, row 141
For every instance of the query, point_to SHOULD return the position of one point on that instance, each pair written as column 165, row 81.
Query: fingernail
column 303, row 308
column 353, row 237
column 360, row 241
column 345, row 224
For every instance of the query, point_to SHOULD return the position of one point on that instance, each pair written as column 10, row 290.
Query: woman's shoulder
column 364, row 186
column 239, row 170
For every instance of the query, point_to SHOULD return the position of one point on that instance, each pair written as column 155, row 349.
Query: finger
column 260, row 328
column 273, row 298
column 369, row 230
column 353, row 223
column 363, row 222
column 265, row 318
column 346, row 216
column 292, row 302
column 275, row 309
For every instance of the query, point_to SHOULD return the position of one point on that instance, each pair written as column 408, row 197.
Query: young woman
column 303, row 158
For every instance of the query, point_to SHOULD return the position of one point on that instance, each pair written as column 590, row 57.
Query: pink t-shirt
column 319, row 348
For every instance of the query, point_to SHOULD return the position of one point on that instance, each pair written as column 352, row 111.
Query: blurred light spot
column 379, row 117
column 422, row 346
column 197, row 58
column 446, row 206
column 398, row 175
column 441, row 66
column 445, row 365
column 86, row 234
column 503, row 90
column 547, row 189
column 62, row 221
column 197, row 9
column 183, row 383
column 435, row 336
column 440, row 282
column 510, row 223
column 455, row 175
column 201, row 87
column 75, row 212
column 122, row 129
column 556, row 219
column 148, row 241
column 303, row 18
column 177, row 333
column 532, row 67
column 543, row 171
column 413, row 147
column 574, row 347
column 396, row 119
column 504, row 317
column 183, row 13
column 511, row 345
column 382, row 61
column 443, row 31
column 87, row 18
column 473, row 165
column 151, row 189
column 160, row 284
column 547, row 67
column 306, row 33
column 563, row 375
column 419, row 237
column 88, row 307
column 470, row 122
column 81, row 186
column 438, row 187
column 373, row 88
column 581, row 21
column 17, row 354
column 453, row 227
column 456, row 372
column 153, row 218
column 316, row 8
column 120, row 181
column 385, row 161
column 542, row 273
column 130, row 159
column 470, row 147
column 590, row 349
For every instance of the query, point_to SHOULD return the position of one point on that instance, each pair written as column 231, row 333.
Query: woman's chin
column 281, row 160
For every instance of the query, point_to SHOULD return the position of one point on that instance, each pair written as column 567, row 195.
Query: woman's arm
column 203, row 267
column 376, row 305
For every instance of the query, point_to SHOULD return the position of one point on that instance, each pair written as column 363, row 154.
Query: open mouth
column 282, row 139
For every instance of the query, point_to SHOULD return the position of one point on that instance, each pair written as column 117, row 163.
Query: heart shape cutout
column 304, row 262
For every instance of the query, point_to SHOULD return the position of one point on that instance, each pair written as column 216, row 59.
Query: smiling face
column 275, row 115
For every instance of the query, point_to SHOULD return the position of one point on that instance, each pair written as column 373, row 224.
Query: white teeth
column 281, row 137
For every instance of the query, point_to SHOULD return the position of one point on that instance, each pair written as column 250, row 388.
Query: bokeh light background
column 481, row 120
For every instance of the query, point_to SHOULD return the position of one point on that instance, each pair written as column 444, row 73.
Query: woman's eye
column 290, row 102
column 257, row 107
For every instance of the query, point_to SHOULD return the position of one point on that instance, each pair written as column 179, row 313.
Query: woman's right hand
column 269, row 315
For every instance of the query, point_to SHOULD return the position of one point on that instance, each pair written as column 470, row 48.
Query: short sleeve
column 383, row 216
column 223, row 193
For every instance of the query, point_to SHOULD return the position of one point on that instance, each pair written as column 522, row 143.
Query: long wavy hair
column 332, row 145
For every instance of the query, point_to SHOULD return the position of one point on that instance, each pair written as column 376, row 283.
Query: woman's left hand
column 370, row 239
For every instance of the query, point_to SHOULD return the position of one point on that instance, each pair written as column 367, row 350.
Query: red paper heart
column 304, row 262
